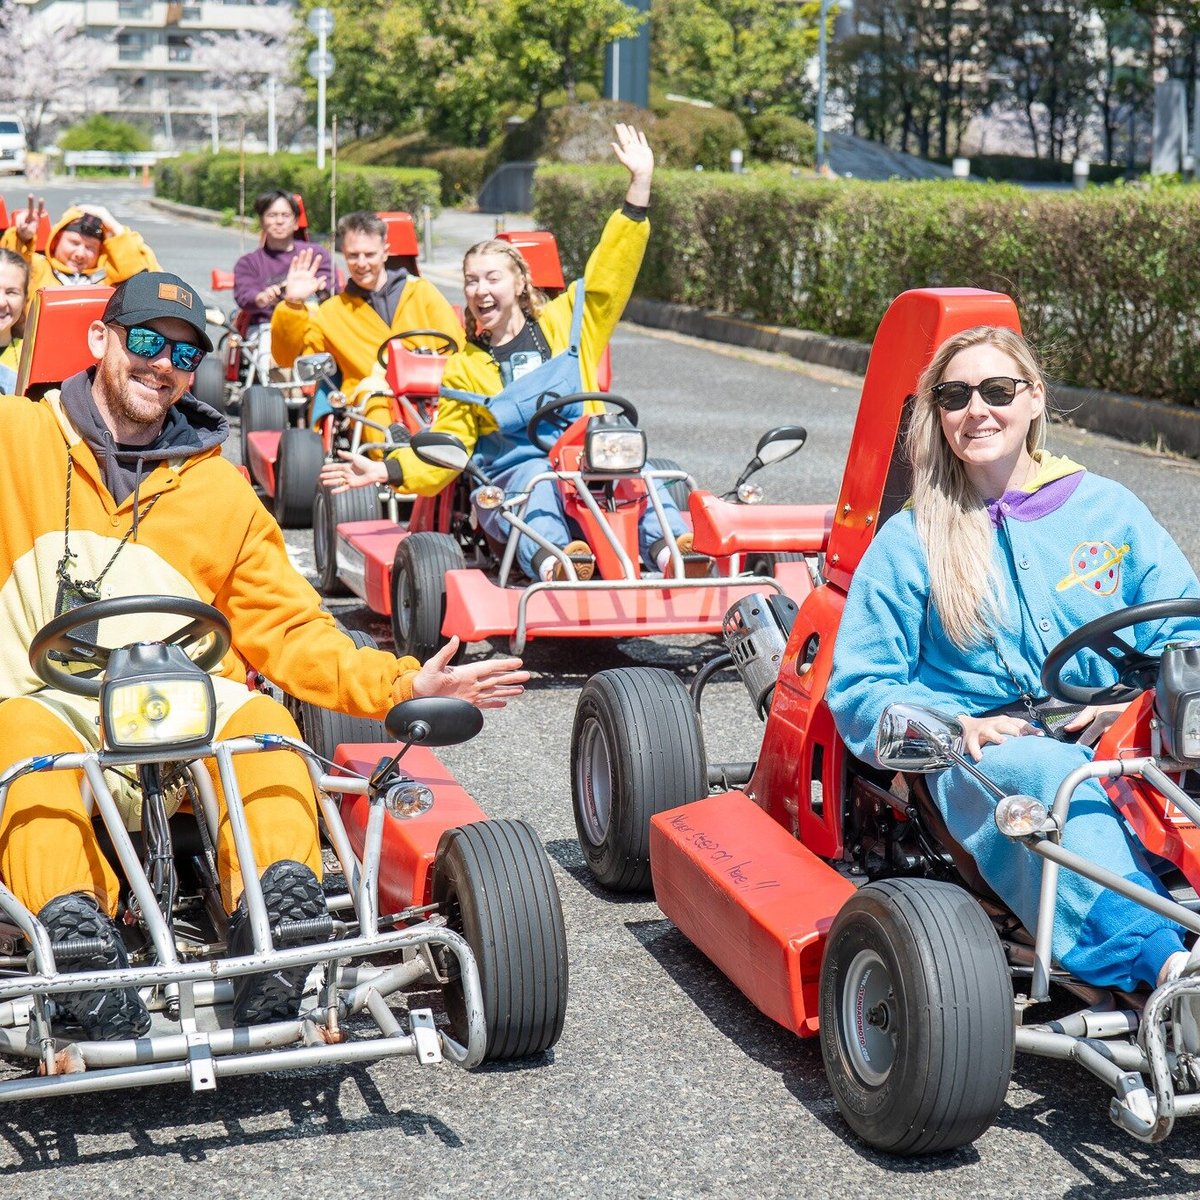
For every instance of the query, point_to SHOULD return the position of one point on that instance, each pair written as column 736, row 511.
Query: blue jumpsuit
column 1071, row 548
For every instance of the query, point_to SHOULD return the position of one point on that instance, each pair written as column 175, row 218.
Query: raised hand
column 634, row 153
column 489, row 683
column 26, row 220
column 304, row 278
column 112, row 226
column 354, row 471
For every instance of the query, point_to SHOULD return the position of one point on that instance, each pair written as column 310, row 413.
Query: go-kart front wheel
column 330, row 510
column 636, row 750
column 492, row 883
column 916, row 1011
column 262, row 408
column 301, row 455
column 419, row 591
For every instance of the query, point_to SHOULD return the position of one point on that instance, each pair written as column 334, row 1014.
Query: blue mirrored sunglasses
column 149, row 343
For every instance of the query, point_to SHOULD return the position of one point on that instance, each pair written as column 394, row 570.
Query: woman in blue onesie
column 1003, row 551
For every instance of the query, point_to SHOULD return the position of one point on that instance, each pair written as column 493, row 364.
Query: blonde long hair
column 530, row 299
column 951, row 516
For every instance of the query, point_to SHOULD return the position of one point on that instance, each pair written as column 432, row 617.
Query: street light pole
column 822, row 21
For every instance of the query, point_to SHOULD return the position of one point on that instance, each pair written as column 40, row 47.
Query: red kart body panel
column 722, row 529
column 366, row 551
column 477, row 608
column 752, row 898
column 263, row 445
column 410, row 845
column 55, row 345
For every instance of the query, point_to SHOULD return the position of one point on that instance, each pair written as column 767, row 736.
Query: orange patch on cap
column 172, row 291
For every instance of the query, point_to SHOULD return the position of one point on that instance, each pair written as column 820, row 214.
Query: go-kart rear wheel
column 325, row 730
column 262, row 408
column 916, row 1014
column 208, row 383
column 301, row 455
column 636, row 750
column 677, row 488
column 492, row 882
column 419, row 591
column 330, row 510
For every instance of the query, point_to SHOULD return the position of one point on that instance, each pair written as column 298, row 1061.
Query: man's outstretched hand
column 489, row 683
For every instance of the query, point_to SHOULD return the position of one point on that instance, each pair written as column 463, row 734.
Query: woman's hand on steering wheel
column 1094, row 720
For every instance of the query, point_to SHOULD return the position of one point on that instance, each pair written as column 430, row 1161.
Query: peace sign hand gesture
column 26, row 220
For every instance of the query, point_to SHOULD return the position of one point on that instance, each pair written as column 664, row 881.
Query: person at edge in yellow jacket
column 87, row 246
column 352, row 325
column 519, row 348
column 14, row 281
column 119, row 488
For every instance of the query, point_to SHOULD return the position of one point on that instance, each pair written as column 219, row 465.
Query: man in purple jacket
column 258, row 277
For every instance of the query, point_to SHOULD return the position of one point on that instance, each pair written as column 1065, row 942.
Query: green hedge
column 1107, row 281
column 211, row 181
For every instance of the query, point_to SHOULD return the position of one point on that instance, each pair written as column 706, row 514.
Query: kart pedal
column 424, row 1031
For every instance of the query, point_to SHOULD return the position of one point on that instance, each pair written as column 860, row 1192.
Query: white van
column 12, row 143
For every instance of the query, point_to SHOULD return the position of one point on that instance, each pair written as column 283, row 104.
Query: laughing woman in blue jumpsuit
column 521, row 347
column 1003, row 551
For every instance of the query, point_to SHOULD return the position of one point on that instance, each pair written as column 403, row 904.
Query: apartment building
column 153, row 55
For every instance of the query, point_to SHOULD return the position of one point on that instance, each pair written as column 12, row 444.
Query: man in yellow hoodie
column 87, row 245
column 377, row 303
column 121, row 489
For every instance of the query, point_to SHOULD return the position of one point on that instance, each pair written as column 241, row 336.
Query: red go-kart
column 438, row 576
column 832, row 894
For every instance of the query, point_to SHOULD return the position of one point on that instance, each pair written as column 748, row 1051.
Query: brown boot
column 580, row 554
column 695, row 566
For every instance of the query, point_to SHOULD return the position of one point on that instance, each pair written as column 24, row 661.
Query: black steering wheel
column 552, row 414
column 1135, row 671
column 57, row 638
column 443, row 343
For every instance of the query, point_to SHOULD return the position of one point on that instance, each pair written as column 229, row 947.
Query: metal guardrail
column 133, row 159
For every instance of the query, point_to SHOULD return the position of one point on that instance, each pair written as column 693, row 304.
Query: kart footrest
column 313, row 929
column 751, row 897
column 74, row 949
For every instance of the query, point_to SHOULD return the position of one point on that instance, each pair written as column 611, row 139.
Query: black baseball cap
column 151, row 295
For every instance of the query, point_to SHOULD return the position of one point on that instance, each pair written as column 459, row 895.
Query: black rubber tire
column 329, row 511
column 419, row 591
column 636, row 750
column 208, row 383
column 922, row 957
column 492, row 882
column 261, row 408
column 677, row 488
column 301, row 456
column 325, row 730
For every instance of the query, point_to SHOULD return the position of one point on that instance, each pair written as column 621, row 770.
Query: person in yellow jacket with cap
column 120, row 489
column 352, row 325
column 87, row 245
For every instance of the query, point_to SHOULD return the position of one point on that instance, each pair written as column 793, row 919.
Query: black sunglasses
column 149, row 343
column 996, row 392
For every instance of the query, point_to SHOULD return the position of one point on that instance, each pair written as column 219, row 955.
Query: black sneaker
column 292, row 893
column 104, row 1014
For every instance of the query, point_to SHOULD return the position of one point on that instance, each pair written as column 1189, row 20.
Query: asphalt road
column 666, row 1082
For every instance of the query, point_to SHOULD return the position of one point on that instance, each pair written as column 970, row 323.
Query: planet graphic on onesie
column 1095, row 566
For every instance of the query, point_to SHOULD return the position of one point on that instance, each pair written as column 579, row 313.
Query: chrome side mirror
column 911, row 738
column 310, row 368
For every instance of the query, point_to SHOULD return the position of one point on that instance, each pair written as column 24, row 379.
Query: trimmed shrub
column 99, row 132
column 688, row 136
column 212, row 181
column 1107, row 281
column 780, row 137
column 461, row 172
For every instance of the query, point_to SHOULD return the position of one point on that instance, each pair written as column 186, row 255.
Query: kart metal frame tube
column 1047, row 845
column 251, row 1064
column 1153, row 1037
column 1106, row 1060
column 256, row 908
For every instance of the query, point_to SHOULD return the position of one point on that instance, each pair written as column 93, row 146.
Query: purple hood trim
column 1029, row 506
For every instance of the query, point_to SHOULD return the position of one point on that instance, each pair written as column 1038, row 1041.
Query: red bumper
column 263, row 447
column 751, row 897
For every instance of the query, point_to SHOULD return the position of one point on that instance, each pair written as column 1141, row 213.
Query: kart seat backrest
column 222, row 281
column 402, row 245
column 418, row 376
column 55, row 345
column 3, row 215
column 41, row 239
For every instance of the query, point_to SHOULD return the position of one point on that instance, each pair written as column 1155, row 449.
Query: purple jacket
column 254, row 271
